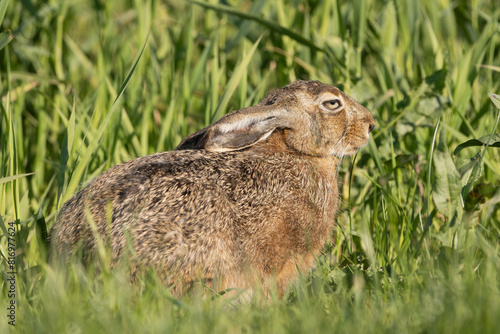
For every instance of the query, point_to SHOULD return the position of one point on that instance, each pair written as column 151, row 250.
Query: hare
column 250, row 199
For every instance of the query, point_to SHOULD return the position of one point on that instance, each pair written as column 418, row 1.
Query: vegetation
column 87, row 84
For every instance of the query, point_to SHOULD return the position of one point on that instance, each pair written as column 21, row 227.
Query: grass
column 86, row 85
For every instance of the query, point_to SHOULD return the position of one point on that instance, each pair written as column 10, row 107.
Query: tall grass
column 86, row 85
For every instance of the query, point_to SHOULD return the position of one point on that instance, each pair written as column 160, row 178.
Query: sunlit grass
column 85, row 85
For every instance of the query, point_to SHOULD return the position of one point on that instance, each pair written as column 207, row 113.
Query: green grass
column 86, row 85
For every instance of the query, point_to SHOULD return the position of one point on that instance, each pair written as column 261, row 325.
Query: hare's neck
column 327, row 170
column 323, row 185
column 326, row 167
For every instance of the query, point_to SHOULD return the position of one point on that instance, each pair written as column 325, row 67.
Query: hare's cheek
column 337, row 126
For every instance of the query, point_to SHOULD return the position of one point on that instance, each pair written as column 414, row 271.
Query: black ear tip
column 195, row 141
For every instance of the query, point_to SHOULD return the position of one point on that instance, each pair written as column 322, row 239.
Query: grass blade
column 132, row 70
column 13, row 177
column 5, row 38
column 3, row 8
column 271, row 25
column 83, row 162
column 233, row 82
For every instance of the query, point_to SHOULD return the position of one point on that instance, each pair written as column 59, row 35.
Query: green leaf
column 495, row 98
column 5, row 38
column 447, row 183
column 467, row 165
column 493, row 142
column 476, row 164
column 336, row 276
column 476, row 168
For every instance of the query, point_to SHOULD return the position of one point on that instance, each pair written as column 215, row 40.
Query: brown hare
column 249, row 199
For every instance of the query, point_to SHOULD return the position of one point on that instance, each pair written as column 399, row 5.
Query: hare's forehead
column 326, row 94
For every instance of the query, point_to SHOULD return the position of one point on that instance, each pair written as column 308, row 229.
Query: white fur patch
column 238, row 125
column 229, row 149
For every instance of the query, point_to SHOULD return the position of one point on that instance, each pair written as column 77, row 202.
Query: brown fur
column 251, row 197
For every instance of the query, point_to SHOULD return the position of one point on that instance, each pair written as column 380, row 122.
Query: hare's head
column 314, row 119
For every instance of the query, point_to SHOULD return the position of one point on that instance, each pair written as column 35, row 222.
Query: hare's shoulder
column 221, row 171
column 167, row 164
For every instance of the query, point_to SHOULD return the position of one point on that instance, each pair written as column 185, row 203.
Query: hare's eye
column 332, row 104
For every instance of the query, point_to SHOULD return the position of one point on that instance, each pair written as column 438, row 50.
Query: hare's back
column 185, row 191
column 191, row 198
column 149, row 185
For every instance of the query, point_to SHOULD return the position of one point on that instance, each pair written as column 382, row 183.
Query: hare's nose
column 371, row 127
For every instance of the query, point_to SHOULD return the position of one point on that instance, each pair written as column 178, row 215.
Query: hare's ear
column 238, row 130
column 237, row 134
column 194, row 141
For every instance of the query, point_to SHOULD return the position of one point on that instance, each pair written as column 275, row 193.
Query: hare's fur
column 249, row 198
